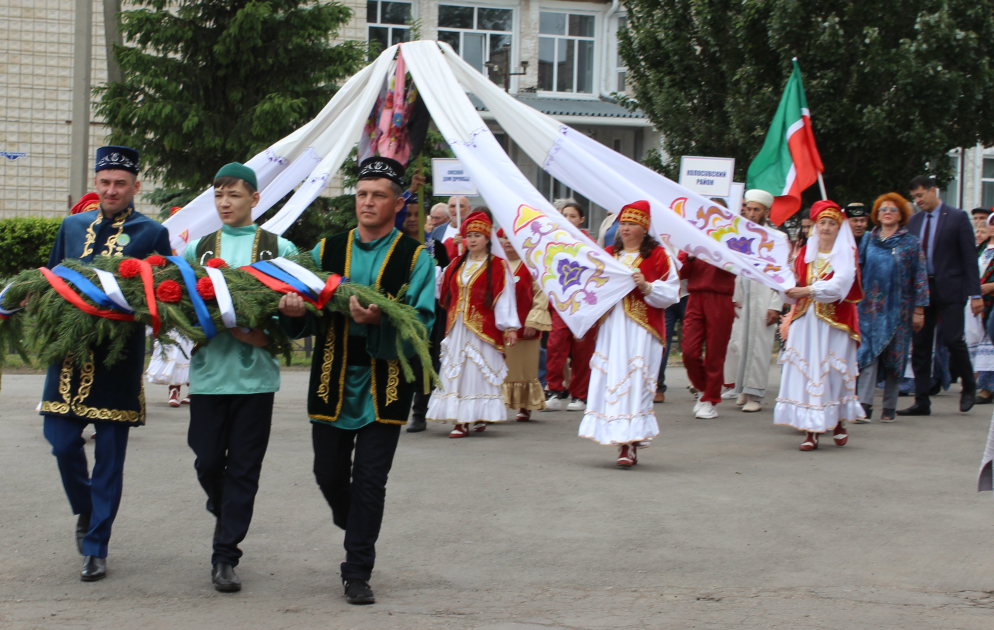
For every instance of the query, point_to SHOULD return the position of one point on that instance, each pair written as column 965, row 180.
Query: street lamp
column 504, row 68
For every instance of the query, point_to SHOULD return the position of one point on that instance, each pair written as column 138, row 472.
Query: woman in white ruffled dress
column 631, row 342
column 170, row 365
column 478, row 293
column 818, row 383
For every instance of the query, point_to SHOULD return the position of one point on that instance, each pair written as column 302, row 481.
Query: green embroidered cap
column 240, row 171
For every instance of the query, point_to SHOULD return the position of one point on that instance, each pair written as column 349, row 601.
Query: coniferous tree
column 893, row 85
column 207, row 82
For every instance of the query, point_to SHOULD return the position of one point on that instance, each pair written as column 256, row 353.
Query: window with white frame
column 987, row 184
column 481, row 36
column 566, row 52
column 387, row 23
column 620, row 68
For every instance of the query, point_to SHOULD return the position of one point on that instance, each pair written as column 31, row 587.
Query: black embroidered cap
column 382, row 168
column 855, row 210
column 117, row 158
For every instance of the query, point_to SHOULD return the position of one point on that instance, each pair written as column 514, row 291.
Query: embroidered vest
column 265, row 247
column 335, row 349
column 842, row 314
column 470, row 300
column 655, row 267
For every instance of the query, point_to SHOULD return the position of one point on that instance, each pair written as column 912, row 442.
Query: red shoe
column 174, row 396
column 461, row 430
column 840, row 435
column 627, row 456
column 524, row 415
column 480, row 426
column 810, row 442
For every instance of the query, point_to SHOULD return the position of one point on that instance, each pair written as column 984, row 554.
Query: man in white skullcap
column 757, row 309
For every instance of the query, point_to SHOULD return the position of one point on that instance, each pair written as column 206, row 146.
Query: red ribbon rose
column 129, row 268
column 205, row 287
column 156, row 260
column 217, row 263
column 169, row 291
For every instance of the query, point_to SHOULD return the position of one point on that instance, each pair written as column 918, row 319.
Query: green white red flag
column 789, row 162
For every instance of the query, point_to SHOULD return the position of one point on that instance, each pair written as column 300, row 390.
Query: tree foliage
column 209, row 82
column 25, row 243
column 893, row 85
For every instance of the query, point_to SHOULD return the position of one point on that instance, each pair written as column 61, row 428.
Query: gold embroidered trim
column 316, row 416
column 383, row 265
column 414, row 261
column 75, row 404
column 393, row 379
column 471, row 317
column 329, row 357
column 111, row 247
column 91, row 234
column 824, row 312
column 321, row 252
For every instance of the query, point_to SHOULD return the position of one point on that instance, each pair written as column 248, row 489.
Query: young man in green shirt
column 233, row 379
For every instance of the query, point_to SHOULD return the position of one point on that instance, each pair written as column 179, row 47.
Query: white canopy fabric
column 581, row 280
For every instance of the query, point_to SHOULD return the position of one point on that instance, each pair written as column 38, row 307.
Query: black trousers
column 952, row 316
column 355, row 485
column 229, row 435
column 419, row 409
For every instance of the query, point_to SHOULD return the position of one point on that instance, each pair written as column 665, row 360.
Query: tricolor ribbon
column 73, row 298
column 199, row 307
column 113, row 290
column 89, row 289
column 7, row 312
column 287, row 278
column 223, row 296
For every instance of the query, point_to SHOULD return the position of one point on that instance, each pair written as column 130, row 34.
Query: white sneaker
column 697, row 406
column 576, row 405
column 728, row 393
column 752, row 406
column 554, row 402
column 706, row 411
column 741, row 400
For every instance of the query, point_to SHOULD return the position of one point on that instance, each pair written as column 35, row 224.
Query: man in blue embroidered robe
column 358, row 398
column 113, row 398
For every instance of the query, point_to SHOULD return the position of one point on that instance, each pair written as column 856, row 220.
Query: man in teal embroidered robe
column 358, row 399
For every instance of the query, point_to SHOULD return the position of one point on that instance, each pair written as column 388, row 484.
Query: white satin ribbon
column 223, row 296
column 310, row 279
column 3, row 311
column 113, row 289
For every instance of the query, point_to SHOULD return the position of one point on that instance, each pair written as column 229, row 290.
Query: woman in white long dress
column 630, row 343
column 818, row 384
column 170, row 365
column 478, row 293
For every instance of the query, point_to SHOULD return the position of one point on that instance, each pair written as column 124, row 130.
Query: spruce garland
column 50, row 328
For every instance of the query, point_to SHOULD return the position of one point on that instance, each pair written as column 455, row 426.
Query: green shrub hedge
column 25, row 242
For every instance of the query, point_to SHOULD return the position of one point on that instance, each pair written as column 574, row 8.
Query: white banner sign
column 449, row 177
column 707, row 176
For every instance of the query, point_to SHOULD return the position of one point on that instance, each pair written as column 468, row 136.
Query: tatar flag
column 788, row 162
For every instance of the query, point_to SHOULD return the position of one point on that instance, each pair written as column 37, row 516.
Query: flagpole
column 821, row 184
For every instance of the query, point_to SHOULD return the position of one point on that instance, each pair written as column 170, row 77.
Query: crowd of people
column 874, row 290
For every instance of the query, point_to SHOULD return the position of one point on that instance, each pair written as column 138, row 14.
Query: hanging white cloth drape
column 581, row 281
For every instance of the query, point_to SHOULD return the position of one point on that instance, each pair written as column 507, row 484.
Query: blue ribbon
column 89, row 289
column 270, row 269
column 199, row 307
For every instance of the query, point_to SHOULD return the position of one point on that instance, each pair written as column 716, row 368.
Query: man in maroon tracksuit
column 708, row 321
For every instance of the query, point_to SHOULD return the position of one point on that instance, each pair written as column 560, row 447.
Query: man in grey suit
column 953, row 277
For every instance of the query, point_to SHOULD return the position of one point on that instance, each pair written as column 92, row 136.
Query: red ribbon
column 73, row 298
column 281, row 287
column 149, row 283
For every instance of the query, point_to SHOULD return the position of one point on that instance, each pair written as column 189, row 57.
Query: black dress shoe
column 94, row 569
column 984, row 400
column 224, row 578
column 417, row 425
column 967, row 399
column 916, row 409
column 82, row 527
column 358, row 592
column 868, row 410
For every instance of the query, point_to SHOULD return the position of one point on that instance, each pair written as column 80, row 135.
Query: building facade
column 561, row 57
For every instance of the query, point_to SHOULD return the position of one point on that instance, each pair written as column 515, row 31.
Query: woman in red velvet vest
column 478, row 293
column 818, row 384
column 630, row 342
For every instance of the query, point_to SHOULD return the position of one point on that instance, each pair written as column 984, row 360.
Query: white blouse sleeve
column 832, row 290
column 506, row 308
column 665, row 292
